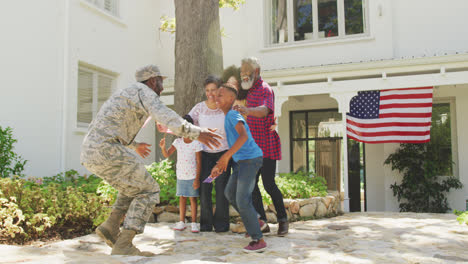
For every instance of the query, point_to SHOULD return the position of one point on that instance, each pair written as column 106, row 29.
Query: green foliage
column 61, row 205
column 422, row 165
column 169, row 24
column 10, row 162
column 235, row 4
column 462, row 216
column 296, row 186
column 163, row 172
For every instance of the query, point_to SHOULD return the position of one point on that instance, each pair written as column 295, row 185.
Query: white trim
column 358, row 69
column 66, row 79
column 103, row 13
column 342, row 37
column 317, row 42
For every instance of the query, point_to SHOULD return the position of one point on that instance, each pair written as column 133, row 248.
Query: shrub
column 163, row 172
column 462, row 216
column 296, row 186
column 31, row 210
column 422, row 190
column 10, row 162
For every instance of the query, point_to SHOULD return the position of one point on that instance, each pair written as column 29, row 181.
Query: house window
column 108, row 6
column 94, row 88
column 442, row 140
column 311, row 20
column 316, row 144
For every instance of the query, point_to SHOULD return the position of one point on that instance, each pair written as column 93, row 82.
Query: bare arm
column 224, row 160
column 166, row 152
column 259, row 111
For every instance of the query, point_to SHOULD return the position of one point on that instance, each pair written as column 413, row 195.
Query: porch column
column 279, row 101
column 343, row 100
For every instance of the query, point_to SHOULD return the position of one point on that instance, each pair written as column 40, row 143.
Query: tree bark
column 198, row 50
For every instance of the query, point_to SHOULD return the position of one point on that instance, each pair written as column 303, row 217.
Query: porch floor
column 373, row 237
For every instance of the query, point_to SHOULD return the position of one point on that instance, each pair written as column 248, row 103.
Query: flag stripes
column 397, row 115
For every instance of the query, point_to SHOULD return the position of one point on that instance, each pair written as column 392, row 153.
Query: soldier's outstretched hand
column 209, row 138
column 143, row 150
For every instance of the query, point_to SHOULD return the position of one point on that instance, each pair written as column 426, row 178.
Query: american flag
column 397, row 115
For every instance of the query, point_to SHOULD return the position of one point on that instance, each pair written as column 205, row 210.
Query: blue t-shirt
column 250, row 149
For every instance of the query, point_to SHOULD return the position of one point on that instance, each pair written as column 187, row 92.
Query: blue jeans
column 239, row 193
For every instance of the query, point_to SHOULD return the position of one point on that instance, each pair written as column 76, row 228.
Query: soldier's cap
column 146, row 72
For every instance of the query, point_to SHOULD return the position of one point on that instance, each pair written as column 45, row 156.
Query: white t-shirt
column 205, row 117
column 186, row 158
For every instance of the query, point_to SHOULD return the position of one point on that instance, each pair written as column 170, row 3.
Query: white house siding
column 42, row 44
column 31, row 80
column 117, row 45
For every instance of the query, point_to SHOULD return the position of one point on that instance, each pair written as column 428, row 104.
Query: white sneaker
column 179, row 226
column 195, row 228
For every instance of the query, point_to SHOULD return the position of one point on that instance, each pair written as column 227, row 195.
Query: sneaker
column 195, row 228
column 179, row 226
column 256, row 246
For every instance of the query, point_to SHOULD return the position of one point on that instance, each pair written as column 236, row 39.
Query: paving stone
column 350, row 238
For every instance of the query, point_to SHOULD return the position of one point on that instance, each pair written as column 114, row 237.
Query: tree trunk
column 198, row 50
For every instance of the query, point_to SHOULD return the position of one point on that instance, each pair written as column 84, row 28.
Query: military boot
column 109, row 230
column 124, row 246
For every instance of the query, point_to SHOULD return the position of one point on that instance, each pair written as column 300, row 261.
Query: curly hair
column 234, row 71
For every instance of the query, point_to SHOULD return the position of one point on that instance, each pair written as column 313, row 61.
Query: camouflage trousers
column 138, row 192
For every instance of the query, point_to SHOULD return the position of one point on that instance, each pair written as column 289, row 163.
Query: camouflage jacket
column 124, row 113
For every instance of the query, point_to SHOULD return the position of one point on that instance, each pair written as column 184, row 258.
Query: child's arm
column 168, row 152
column 224, row 160
column 196, row 182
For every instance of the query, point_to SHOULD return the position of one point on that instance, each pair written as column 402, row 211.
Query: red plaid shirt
column 269, row 141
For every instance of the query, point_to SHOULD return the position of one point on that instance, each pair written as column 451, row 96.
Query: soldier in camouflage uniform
column 108, row 150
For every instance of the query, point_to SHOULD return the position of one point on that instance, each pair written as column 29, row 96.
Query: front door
column 356, row 176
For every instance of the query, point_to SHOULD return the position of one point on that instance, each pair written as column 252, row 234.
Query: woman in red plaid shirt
column 260, row 117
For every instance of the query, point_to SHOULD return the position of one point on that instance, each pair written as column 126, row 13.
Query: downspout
column 65, row 84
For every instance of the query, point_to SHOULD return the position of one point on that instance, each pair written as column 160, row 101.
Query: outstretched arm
column 166, row 152
column 224, row 160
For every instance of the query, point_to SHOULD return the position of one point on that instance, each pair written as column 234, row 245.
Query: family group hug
column 229, row 138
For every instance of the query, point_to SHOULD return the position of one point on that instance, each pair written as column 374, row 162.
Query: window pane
column 354, row 20
column 298, row 125
column 327, row 161
column 328, row 18
column 299, row 156
column 302, row 19
column 324, row 124
column 104, row 89
column 441, row 139
column 279, row 22
column 85, row 97
column 312, row 161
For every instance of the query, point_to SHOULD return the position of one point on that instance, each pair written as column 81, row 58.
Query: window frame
column 96, row 73
column 268, row 38
column 307, row 138
column 101, row 6
column 453, row 130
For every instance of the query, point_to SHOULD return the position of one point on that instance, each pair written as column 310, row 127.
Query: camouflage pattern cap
column 146, row 72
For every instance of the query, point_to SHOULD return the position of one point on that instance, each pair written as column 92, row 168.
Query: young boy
column 247, row 160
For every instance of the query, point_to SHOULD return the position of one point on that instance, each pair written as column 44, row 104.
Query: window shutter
column 85, row 97
column 104, row 90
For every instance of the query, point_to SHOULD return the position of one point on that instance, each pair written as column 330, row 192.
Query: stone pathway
column 350, row 238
